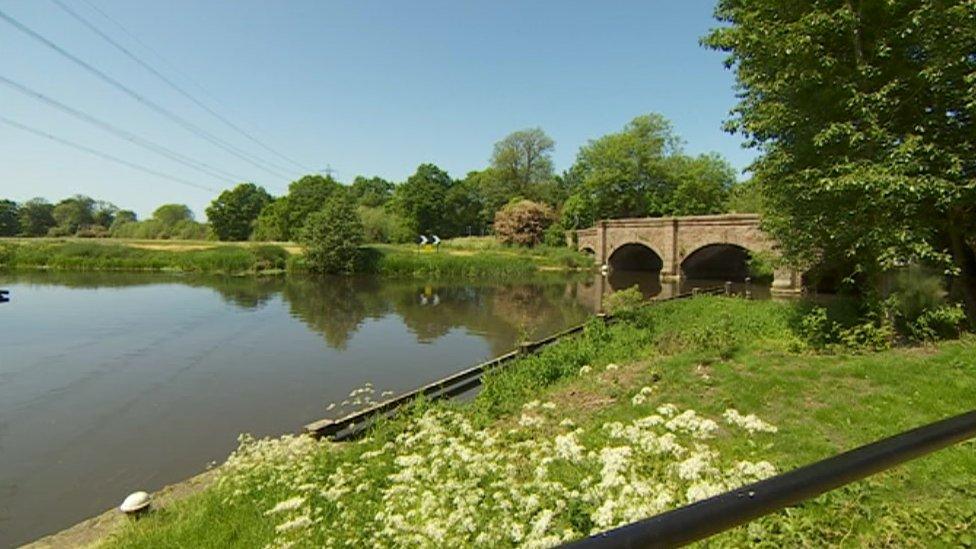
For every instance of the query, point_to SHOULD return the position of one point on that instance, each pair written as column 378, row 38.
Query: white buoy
column 135, row 502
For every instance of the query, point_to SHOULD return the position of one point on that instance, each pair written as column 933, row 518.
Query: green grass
column 707, row 354
column 98, row 256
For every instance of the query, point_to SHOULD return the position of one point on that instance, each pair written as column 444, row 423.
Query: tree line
column 639, row 171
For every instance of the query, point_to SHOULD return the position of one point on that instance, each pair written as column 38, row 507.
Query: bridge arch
column 635, row 256
column 717, row 261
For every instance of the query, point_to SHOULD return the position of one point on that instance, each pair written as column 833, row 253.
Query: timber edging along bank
column 353, row 424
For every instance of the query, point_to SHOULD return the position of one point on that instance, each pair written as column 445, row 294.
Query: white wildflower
column 667, row 410
column 750, row 422
column 294, row 524
column 567, row 447
column 529, row 420
column 611, row 367
column 585, row 370
column 703, row 490
column 549, row 405
column 287, row 505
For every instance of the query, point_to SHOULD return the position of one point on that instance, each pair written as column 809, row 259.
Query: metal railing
column 719, row 513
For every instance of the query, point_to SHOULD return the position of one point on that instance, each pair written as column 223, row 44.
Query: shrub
column 555, row 236
column 866, row 332
column 332, row 237
column 917, row 304
column 523, row 222
column 934, row 324
column 269, row 257
column 623, row 301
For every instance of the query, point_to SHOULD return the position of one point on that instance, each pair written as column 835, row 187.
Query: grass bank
column 677, row 402
column 78, row 255
column 472, row 258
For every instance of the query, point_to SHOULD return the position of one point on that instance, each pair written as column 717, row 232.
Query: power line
column 91, row 26
column 101, row 154
column 119, row 132
column 196, row 130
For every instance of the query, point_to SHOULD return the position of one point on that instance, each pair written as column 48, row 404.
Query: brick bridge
column 707, row 246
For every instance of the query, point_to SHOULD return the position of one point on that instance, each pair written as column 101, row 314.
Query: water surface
column 111, row 383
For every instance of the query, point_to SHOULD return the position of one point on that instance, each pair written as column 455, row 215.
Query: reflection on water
column 112, row 382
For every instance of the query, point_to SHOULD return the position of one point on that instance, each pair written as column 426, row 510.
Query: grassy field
column 675, row 403
column 470, row 258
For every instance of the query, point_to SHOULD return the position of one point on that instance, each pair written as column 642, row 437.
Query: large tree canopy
column 9, row 218
column 523, row 159
column 36, row 217
column 865, row 115
column 421, row 200
column 233, row 213
column 640, row 172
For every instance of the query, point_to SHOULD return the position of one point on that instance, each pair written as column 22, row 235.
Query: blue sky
column 366, row 87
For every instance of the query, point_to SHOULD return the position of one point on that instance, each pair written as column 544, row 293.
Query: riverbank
column 679, row 401
column 469, row 258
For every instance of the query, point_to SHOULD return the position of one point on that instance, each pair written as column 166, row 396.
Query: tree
column 465, row 210
column 702, row 184
column 523, row 222
column 272, row 222
column 122, row 217
column 306, row 196
column 9, row 218
column 578, row 211
column 103, row 213
column 745, row 197
column 625, row 174
column 420, row 201
column 171, row 214
column 73, row 213
column 36, row 217
column 865, row 115
column 233, row 213
column 332, row 237
column 371, row 192
column 524, row 158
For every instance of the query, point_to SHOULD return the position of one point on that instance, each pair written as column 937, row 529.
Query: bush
column 332, row 237
column 865, row 332
column 555, row 236
column 917, row 305
column 934, row 324
column 624, row 301
column 523, row 222
column 269, row 257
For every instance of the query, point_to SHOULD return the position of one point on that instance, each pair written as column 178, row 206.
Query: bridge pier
column 786, row 281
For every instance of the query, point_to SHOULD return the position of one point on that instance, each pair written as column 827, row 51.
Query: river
column 112, row 382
